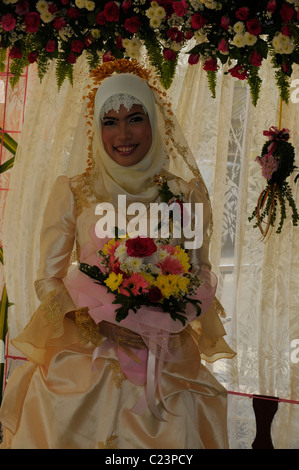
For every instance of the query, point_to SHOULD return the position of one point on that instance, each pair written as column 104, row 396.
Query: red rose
column 52, row 8
column 287, row 13
column 271, row 7
column 180, row 8
column 154, row 294
column 242, row 13
column 15, row 53
column 132, row 24
column 198, row 21
column 59, row 23
column 169, row 54
column 193, row 59
column 108, row 56
column 286, row 31
column 32, row 22
column 51, row 45
column 189, row 34
column 72, row 58
column 175, row 34
column 225, row 22
column 140, row 246
column 256, row 59
column 77, row 46
column 223, row 46
column 285, row 66
column 111, row 11
column 8, row 22
column 210, row 65
column 239, row 71
column 119, row 42
column 22, row 7
column 254, row 26
column 101, row 19
column 73, row 12
column 32, row 56
column 126, row 5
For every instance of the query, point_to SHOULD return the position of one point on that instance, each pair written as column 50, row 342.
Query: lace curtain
column 257, row 281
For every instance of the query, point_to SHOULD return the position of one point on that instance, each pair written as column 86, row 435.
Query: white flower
column 121, row 252
column 239, row 40
column 176, row 46
column 150, row 13
column 200, row 36
column 160, row 12
column 7, row 2
column 155, row 22
column 133, row 264
column 89, row 5
column 239, row 27
column 80, row 3
column 210, row 4
column 42, row 6
column 95, row 33
column 250, row 39
column 46, row 16
column 283, row 44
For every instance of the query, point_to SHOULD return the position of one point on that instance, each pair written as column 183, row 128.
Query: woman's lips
column 126, row 149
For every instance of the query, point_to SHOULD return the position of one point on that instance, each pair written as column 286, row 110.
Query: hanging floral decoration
column 277, row 162
column 238, row 33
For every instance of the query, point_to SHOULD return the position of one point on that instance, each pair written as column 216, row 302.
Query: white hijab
column 136, row 181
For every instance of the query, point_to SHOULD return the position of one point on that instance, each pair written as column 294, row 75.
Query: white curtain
column 257, row 281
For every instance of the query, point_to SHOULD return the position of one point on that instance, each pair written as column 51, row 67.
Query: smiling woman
column 126, row 134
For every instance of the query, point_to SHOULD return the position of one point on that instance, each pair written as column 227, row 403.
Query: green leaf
column 3, row 332
column 8, row 142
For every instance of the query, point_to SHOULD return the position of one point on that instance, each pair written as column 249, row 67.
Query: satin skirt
column 71, row 402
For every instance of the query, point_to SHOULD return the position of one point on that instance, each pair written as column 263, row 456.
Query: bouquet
column 141, row 272
column 277, row 163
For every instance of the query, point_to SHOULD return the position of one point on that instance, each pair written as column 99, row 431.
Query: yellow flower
column 114, row 281
column 183, row 257
column 168, row 285
column 109, row 247
column 183, row 283
column 149, row 278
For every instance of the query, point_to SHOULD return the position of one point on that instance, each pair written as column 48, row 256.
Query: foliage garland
column 236, row 33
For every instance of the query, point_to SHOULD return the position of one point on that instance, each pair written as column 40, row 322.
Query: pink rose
column 51, row 45
column 140, row 246
column 15, row 53
column 271, row 7
column 239, row 71
column 225, row 22
column 287, row 13
column 52, row 8
column 285, row 66
column 32, row 56
column 223, row 46
column 242, row 13
column 254, row 27
column 180, row 8
column 32, row 22
column 210, row 65
column 59, row 23
column 119, row 42
column 8, row 22
column 256, row 59
column 111, row 11
column 77, row 46
column 132, row 24
column 193, row 59
column 169, row 54
column 198, row 21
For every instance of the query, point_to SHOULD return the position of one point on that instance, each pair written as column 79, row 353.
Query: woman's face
column 127, row 135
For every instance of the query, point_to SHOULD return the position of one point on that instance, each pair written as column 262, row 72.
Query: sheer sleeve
column 208, row 330
column 57, row 241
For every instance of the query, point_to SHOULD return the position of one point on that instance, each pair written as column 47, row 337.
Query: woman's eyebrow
column 127, row 117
